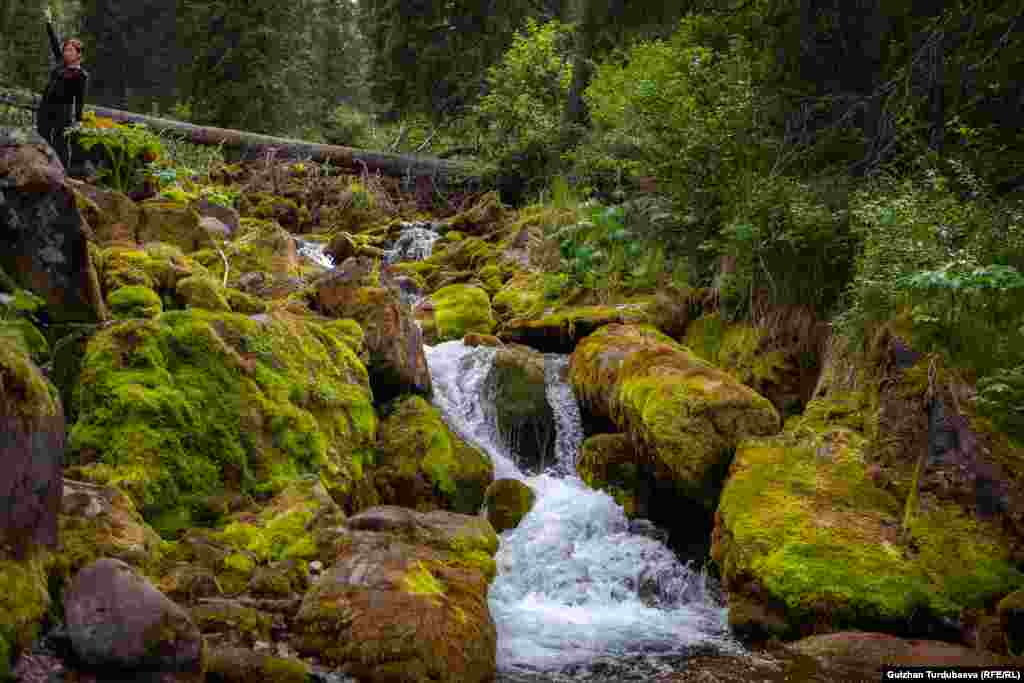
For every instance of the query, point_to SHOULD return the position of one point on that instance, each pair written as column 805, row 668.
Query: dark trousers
column 54, row 134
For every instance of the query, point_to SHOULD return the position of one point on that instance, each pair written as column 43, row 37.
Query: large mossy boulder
column 423, row 465
column 406, row 599
column 136, row 301
column 804, row 529
column 177, row 409
column 43, row 239
column 507, row 502
column 684, row 414
column 397, row 362
column 460, row 310
column 526, row 423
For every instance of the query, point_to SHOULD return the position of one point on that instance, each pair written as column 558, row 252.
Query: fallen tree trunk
column 251, row 146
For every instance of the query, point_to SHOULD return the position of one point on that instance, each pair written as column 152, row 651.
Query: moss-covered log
column 247, row 145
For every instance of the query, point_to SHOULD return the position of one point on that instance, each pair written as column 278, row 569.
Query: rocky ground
column 201, row 419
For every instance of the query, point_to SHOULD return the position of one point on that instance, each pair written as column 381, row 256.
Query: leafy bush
column 346, row 125
column 519, row 117
column 681, row 110
column 1001, row 397
column 128, row 148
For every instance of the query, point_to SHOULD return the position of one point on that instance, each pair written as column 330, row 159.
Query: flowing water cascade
column 314, row 251
column 577, row 595
column 415, row 243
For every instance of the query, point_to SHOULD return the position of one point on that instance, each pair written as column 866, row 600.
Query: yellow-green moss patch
column 460, row 309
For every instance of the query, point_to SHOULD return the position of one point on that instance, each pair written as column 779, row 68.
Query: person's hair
column 73, row 42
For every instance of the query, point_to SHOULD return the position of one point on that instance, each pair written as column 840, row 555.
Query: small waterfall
column 568, row 423
column 314, row 251
column 415, row 243
column 575, row 587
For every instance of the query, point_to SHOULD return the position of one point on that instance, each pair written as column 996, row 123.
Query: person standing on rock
column 64, row 97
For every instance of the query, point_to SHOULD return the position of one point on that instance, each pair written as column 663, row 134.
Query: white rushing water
column 314, row 251
column 415, row 243
column 573, row 584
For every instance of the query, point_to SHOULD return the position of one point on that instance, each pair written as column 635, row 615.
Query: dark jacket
column 64, row 96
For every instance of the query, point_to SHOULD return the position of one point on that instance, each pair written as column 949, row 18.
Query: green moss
column 178, row 408
column 202, row 292
column 507, row 502
column 737, row 348
column 25, row 392
column 415, row 441
column 134, row 302
column 459, row 309
column 240, row 562
column 522, row 296
column 608, row 462
column 24, row 601
column 229, row 617
column 420, row 581
column 24, row 336
column 801, row 516
column 245, row 303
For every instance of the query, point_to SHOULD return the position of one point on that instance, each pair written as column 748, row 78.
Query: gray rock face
column 116, row 619
column 43, row 241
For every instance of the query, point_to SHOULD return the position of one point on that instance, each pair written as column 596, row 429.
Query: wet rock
column 522, row 413
column 754, row 622
column 423, row 465
column 117, row 619
column 611, row 463
column 44, row 240
column 397, row 362
column 507, row 502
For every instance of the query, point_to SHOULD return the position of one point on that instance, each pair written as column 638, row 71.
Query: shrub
column 346, row 125
column 519, row 117
column 128, row 148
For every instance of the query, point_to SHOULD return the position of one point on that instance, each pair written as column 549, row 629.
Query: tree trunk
column 249, row 146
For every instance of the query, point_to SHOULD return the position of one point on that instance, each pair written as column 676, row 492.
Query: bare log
column 252, row 146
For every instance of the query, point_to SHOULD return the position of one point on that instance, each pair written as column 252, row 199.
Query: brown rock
column 117, row 619
column 879, row 650
column 112, row 215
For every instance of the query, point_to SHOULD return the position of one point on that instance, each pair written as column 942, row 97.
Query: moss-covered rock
column 559, row 330
column 685, row 414
column 134, row 301
column 112, row 215
column 801, row 518
column 461, row 309
column 177, row 409
column 481, row 217
column 608, row 462
column 244, row 625
column 525, row 420
column 424, row 465
column 26, row 337
column 241, row 665
column 746, row 351
column 100, row 521
column 521, row 297
column 245, row 303
column 202, row 292
column 24, row 601
column 397, row 362
column 261, row 246
column 172, row 223
column 507, row 502
column 394, row 609
column 283, row 210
